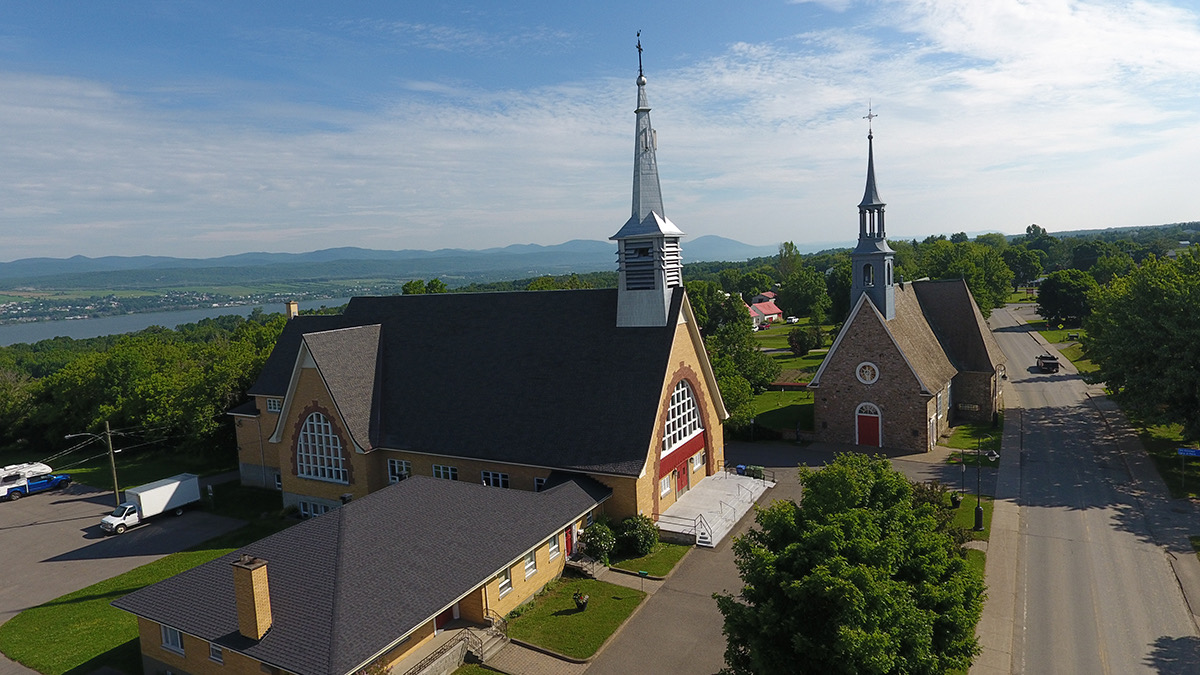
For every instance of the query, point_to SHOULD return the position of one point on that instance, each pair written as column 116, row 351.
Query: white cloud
column 992, row 115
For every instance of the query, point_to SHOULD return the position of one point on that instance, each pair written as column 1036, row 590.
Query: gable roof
column 347, row 585
column 766, row 308
column 909, row 332
column 959, row 325
column 516, row 383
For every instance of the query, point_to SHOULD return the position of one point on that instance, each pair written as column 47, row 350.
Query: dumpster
column 741, row 469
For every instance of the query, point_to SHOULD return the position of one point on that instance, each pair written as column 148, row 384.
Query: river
column 128, row 323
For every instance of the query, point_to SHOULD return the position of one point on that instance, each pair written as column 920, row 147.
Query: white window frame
column 494, row 479
column 506, row 582
column 319, row 453
column 664, row 486
column 278, row 481
column 553, row 547
column 172, row 639
column 215, row 653
column 445, row 471
column 539, row 484
column 313, row 509
column 867, row 372
column 398, row 470
column 531, row 563
column 683, row 418
column 274, row 405
column 591, row 519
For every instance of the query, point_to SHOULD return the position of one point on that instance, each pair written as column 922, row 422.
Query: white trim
column 864, row 298
column 553, row 546
column 531, row 563
column 403, row 469
column 166, row 631
column 505, row 577
column 858, row 370
column 447, row 469
column 878, row 415
column 710, row 378
column 215, row 653
column 493, row 478
column 664, row 485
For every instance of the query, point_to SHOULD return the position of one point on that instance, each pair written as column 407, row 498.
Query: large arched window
column 683, row 417
column 319, row 451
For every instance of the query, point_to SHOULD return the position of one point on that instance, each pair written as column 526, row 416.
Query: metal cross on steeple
column 639, row 45
column 869, row 117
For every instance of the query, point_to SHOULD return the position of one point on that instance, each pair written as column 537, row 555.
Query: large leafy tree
column 1063, row 296
column 1026, row 265
column 804, row 294
column 858, row 578
column 1143, row 332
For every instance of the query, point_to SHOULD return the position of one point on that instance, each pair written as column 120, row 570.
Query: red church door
column 570, row 541
column 868, row 423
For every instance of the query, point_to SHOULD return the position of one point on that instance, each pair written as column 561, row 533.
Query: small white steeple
column 648, row 253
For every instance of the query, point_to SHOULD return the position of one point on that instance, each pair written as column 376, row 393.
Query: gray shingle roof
column 918, row 342
column 538, row 378
column 954, row 316
column 346, row 585
column 348, row 359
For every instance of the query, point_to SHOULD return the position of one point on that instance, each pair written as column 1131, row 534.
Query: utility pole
column 112, row 462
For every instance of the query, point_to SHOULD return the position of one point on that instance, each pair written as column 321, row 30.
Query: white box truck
column 151, row 499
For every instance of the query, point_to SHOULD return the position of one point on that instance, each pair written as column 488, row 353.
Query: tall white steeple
column 648, row 253
column 872, row 259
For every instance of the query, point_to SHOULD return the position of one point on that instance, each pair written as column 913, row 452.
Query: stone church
column 911, row 359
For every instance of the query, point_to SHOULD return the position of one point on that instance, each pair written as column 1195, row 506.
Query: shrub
column 804, row 340
column 638, row 536
column 598, row 541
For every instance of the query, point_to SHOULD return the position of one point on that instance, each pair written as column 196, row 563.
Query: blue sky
column 199, row 129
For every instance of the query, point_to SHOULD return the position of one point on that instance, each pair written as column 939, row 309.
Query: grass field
column 799, row 368
column 1024, row 295
column 1058, row 333
column 964, row 516
column 552, row 621
column 658, row 563
column 133, row 468
column 784, row 410
column 970, row 436
column 79, row 632
column 775, row 337
column 1161, row 442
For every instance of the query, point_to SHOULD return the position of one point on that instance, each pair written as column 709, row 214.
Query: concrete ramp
column 707, row 512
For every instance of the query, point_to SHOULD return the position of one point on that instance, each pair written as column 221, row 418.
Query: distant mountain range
column 518, row 260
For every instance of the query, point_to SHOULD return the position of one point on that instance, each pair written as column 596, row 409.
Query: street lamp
column 992, row 456
column 112, row 460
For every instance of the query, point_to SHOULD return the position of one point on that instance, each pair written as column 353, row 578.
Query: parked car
column 151, row 499
column 793, row 319
column 17, row 484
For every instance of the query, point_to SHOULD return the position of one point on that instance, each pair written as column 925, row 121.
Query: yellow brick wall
column 522, row 588
column 255, row 449
column 630, row 495
column 194, row 661
column 419, row 637
column 519, row 477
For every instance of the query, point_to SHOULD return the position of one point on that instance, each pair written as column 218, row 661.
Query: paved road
column 51, row 544
column 1095, row 593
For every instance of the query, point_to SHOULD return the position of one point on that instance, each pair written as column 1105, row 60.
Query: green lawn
column 79, row 632
column 964, row 515
column 799, row 368
column 1075, row 355
column 554, row 623
column 474, row 669
column 970, row 436
column 1023, row 295
column 775, row 337
column 133, row 468
column 976, row 560
column 784, row 410
column 1161, row 442
column 658, row 563
column 1058, row 333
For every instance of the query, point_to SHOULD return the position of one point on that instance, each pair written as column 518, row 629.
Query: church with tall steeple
column 911, row 358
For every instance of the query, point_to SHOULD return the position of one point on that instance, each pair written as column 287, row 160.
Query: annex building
column 911, row 357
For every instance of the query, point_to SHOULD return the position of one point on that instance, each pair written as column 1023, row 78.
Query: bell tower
column 648, row 253
column 873, row 259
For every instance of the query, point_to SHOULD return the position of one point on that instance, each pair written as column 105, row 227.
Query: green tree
column 789, row 260
column 804, row 293
column 1026, row 265
column 413, row 287
column 753, row 283
column 959, row 238
column 436, row 286
column 1142, row 334
column 1063, row 296
column 993, row 239
column 856, row 578
column 838, row 282
column 543, row 283
column 1115, row 264
column 803, row 340
column 736, row 341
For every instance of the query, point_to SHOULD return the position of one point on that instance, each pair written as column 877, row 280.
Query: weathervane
column 869, row 117
column 639, row 35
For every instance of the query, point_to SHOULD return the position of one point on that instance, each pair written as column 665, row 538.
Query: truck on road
column 20, row 480
column 151, row 499
column 1047, row 363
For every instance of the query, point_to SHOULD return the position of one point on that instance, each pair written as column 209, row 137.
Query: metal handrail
column 498, row 622
column 742, row 488
column 700, row 521
column 466, row 635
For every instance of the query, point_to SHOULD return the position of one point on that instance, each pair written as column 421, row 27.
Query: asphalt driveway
column 51, row 544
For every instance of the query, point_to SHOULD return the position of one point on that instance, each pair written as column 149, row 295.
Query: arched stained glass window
column 683, row 417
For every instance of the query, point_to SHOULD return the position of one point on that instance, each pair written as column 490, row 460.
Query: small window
column 539, row 484
column 591, row 518
column 172, row 640
column 553, row 546
column 494, row 479
column 398, row 470
column 446, row 472
column 278, row 482
column 215, row 653
column 313, row 509
column 531, row 564
column 664, row 486
column 505, row 582
column 274, row 405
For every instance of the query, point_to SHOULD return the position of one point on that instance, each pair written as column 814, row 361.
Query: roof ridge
column 335, row 608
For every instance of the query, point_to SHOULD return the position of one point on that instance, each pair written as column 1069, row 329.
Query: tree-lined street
column 1095, row 587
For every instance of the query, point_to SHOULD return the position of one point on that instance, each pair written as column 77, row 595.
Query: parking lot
column 51, row 544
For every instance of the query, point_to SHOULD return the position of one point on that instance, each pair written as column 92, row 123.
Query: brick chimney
column 252, row 595
column 293, row 309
